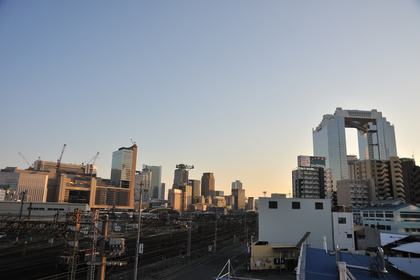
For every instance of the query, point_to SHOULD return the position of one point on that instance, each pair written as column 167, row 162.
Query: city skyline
column 233, row 88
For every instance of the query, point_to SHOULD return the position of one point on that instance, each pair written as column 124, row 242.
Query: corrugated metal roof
column 388, row 238
column 411, row 267
column 413, row 247
column 321, row 266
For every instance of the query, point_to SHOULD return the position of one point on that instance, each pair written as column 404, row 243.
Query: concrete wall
column 284, row 225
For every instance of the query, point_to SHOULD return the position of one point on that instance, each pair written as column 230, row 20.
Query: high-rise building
column 207, row 184
column 237, row 185
column 195, row 184
column 145, row 177
column 250, row 203
column 309, row 179
column 181, row 173
column 387, row 174
column 355, row 193
column 411, row 177
column 156, row 180
column 162, row 190
column 376, row 139
column 123, row 169
column 239, row 197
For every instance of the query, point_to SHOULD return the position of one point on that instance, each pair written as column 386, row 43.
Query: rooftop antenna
column 264, row 192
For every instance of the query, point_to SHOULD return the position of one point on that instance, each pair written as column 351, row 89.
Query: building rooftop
column 388, row 238
column 322, row 266
column 411, row 266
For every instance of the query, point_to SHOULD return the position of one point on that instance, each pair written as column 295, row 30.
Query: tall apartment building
column 156, row 181
column 309, row 179
column 376, row 139
column 195, row 185
column 355, row 193
column 411, row 178
column 208, row 184
column 237, row 185
column 387, row 175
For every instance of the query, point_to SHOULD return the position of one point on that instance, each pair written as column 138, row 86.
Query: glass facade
column 376, row 139
column 121, row 167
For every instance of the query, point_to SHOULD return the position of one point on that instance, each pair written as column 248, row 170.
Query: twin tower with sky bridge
column 376, row 139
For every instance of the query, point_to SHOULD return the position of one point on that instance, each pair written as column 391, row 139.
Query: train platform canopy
column 320, row 265
column 388, row 238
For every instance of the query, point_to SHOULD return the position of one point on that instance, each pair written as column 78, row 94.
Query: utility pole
column 101, row 268
column 189, row 239
column 215, row 232
column 138, row 232
column 23, row 193
column 73, row 261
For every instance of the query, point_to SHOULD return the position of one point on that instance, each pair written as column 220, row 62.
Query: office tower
column 376, row 139
column 162, row 191
column 175, row 199
column 181, row 173
column 35, row 185
column 250, row 203
column 309, row 179
column 411, row 177
column 188, row 192
column 237, row 185
column 239, row 199
column 387, row 174
column 123, row 170
column 207, row 184
column 195, row 185
column 144, row 177
column 156, row 180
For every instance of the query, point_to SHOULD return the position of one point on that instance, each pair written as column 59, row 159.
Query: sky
column 231, row 87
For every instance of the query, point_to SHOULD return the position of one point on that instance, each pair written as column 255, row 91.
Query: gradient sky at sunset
column 231, row 87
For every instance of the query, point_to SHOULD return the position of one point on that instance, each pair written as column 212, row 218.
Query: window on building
column 349, row 235
column 372, row 226
column 389, row 214
column 380, row 227
column 295, row 205
column 272, row 204
column 319, row 205
column 342, row 220
column 365, row 214
column 379, row 214
column 388, row 227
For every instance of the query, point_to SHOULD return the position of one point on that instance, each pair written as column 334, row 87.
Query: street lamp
column 141, row 184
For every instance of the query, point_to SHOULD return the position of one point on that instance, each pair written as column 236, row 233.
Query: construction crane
column 132, row 142
column 31, row 166
column 184, row 166
column 91, row 166
column 61, row 156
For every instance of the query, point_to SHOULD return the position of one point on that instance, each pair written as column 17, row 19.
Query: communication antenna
column 264, row 192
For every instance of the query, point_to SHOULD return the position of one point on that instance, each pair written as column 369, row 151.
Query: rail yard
column 53, row 249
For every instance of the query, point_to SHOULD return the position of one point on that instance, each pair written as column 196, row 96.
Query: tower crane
column 31, row 166
column 61, row 156
column 91, row 166
column 184, row 166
